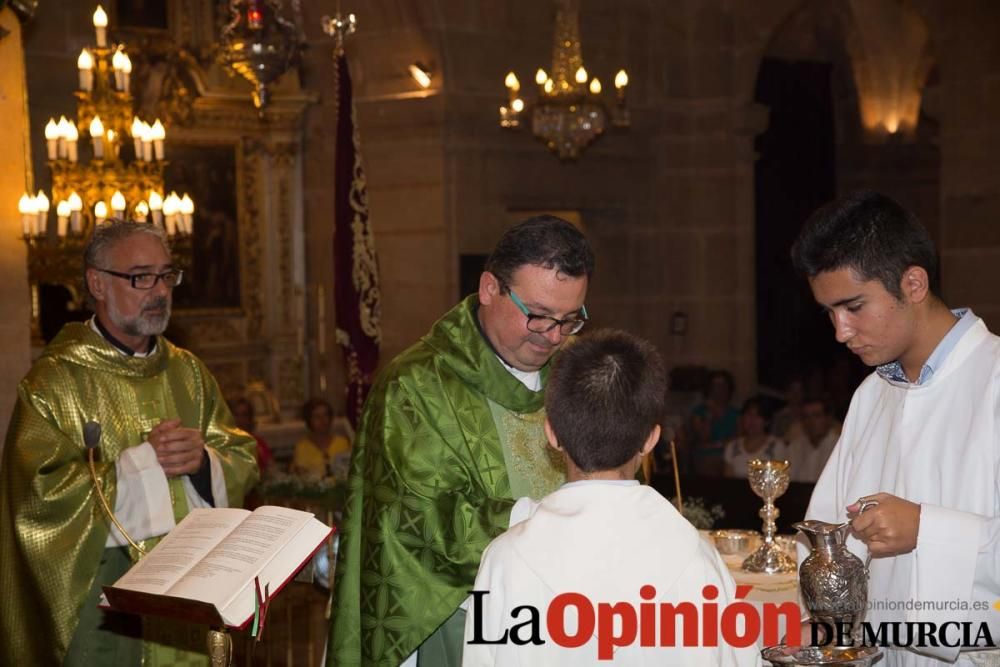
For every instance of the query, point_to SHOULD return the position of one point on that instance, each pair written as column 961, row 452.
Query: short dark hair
column 726, row 377
column 604, row 396
column 545, row 241
column 753, row 403
column 312, row 404
column 820, row 399
column 241, row 402
column 869, row 233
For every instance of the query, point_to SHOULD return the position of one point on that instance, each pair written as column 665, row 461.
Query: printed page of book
column 224, row 571
column 277, row 572
column 193, row 538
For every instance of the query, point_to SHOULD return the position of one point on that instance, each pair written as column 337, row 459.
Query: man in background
column 817, row 435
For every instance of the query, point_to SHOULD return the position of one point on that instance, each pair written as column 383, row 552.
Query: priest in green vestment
column 167, row 444
column 451, row 434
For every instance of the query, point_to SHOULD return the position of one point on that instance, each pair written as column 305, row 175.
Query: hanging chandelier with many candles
column 569, row 112
column 107, row 163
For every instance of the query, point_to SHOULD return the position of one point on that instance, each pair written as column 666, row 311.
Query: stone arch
column 881, row 50
column 877, row 57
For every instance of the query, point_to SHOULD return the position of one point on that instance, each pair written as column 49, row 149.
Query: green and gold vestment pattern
column 52, row 529
column 429, row 488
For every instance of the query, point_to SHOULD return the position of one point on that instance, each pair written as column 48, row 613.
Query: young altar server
column 922, row 436
column 601, row 535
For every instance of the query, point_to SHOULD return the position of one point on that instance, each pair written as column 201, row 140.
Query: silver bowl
column 729, row 542
column 788, row 543
column 840, row 656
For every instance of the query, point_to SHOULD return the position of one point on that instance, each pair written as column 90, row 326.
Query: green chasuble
column 429, row 488
column 52, row 528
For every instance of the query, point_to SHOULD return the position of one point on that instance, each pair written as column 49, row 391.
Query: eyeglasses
column 171, row 278
column 545, row 324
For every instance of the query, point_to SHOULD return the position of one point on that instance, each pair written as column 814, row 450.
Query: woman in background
column 754, row 442
column 712, row 423
column 326, row 448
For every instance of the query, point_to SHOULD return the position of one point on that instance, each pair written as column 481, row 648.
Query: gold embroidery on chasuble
column 534, row 468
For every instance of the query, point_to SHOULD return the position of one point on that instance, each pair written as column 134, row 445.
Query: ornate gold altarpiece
column 176, row 76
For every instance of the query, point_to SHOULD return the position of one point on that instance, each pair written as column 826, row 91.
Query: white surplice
column 936, row 444
column 605, row 541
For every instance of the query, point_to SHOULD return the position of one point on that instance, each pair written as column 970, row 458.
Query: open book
column 204, row 570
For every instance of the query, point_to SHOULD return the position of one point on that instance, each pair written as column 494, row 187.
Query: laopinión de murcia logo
column 703, row 623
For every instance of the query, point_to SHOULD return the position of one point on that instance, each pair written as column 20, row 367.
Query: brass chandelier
column 91, row 178
column 569, row 112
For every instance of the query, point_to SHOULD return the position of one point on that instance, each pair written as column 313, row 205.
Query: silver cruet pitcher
column 833, row 581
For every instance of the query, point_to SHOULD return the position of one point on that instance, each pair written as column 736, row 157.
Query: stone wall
column 668, row 204
column 15, row 177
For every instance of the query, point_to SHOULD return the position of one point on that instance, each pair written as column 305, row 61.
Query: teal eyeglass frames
column 545, row 324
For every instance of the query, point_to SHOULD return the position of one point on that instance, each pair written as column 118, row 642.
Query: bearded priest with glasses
column 165, row 443
column 452, row 433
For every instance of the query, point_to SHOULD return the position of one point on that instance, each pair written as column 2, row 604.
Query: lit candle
column 581, row 75
column 100, row 212
column 75, row 209
column 512, row 83
column 42, row 206
column 97, row 136
column 141, row 211
column 62, row 217
column 156, row 207
column 85, row 63
column 29, row 213
column 170, row 207
column 63, row 126
column 126, row 71
column 112, row 144
column 118, row 203
column 71, row 136
column 187, row 213
column 116, row 63
column 621, row 80
column 549, row 86
column 52, row 138
column 517, row 104
column 101, row 26
column 541, row 77
column 595, row 86
column 158, row 135
column 137, row 137
column 147, row 142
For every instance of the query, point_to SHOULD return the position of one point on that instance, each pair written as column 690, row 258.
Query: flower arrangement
column 700, row 515
column 329, row 492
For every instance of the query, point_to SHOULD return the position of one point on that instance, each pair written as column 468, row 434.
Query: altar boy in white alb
column 602, row 535
column 922, row 435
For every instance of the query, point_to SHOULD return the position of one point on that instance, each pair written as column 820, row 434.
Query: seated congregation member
column 809, row 451
column 326, row 445
column 246, row 418
column 754, row 441
column 712, row 423
column 787, row 422
column 602, row 534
